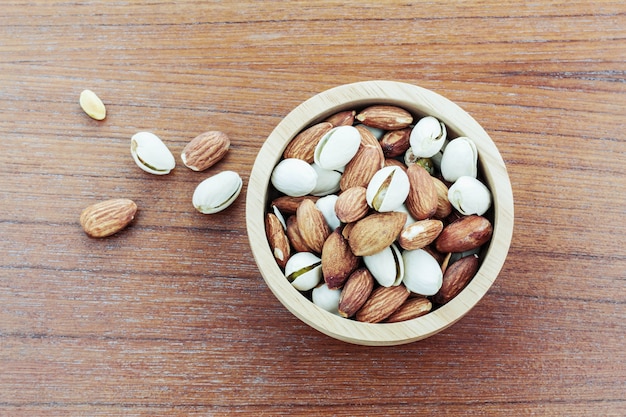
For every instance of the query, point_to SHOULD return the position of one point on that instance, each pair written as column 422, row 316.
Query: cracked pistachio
column 388, row 189
column 422, row 273
column 216, row 193
column 151, row 154
column 337, row 147
column 294, row 177
column 427, row 137
column 304, row 270
column 386, row 266
column 460, row 158
column 469, row 196
column 326, row 205
column 327, row 181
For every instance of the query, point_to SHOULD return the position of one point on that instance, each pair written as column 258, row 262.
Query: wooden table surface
column 172, row 317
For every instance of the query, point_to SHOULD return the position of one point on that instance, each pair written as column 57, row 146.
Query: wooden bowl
column 420, row 102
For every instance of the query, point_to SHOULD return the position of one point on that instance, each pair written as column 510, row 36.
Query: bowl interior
column 420, row 102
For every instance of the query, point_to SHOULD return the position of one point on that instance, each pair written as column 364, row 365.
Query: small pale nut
column 337, row 147
column 386, row 266
column 327, row 181
column 326, row 205
column 217, row 192
column 427, row 137
column 388, row 189
column 422, row 273
column 150, row 153
column 460, row 158
column 205, row 150
column 326, row 298
column 304, row 270
column 294, row 177
column 107, row 217
column 469, row 196
column 92, row 105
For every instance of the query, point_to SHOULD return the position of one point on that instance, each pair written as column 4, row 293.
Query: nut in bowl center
column 379, row 212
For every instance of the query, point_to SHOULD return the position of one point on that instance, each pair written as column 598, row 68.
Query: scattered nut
column 92, row 105
column 217, row 192
column 107, row 217
column 205, row 150
column 151, row 154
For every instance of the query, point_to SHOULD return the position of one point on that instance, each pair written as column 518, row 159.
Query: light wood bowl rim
column 419, row 101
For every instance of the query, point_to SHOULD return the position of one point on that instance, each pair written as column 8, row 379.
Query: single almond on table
column 338, row 261
column 107, row 217
column 375, row 232
column 355, row 292
column 456, row 278
column 277, row 238
column 412, row 308
column 385, row 117
column 382, row 302
column 465, row 234
column 205, row 150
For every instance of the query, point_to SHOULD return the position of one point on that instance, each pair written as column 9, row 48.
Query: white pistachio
column 459, row 159
column 294, row 177
column 469, row 196
column 327, row 181
column 386, row 266
column 304, row 270
column 388, row 189
column 151, row 154
column 422, row 273
column 326, row 298
column 92, row 105
column 427, row 137
column 216, row 193
column 337, row 147
column 326, row 205
column 280, row 216
column 409, row 218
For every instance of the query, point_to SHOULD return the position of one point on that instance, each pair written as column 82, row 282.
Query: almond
column 412, row 308
column 420, row 234
column 368, row 138
column 444, row 208
column 312, row 225
column 343, row 118
column 107, row 217
column 293, row 233
column 385, row 117
column 375, row 232
column 355, row 292
column 382, row 302
column 422, row 199
column 351, row 205
column 395, row 142
column 338, row 261
column 456, row 278
column 360, row 170
column 465, row 234
column 205, row 150
column 277, row 238
column 303, row 145
column 288, row 205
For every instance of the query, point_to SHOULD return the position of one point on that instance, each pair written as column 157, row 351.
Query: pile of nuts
column 212, row 195
column 377, row 215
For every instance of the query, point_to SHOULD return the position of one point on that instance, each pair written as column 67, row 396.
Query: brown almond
column 303, row 145
column 360, row 170
column 395, row 142
column 444, row 208
column 277, row 238
column 205, row 150
column 368, row 138
column 412, row 308
column 456, row 278
column 422, row 199
column 351, row 205
column 385, row 117
column 382, row 302
column 343, row 118
column 355, row 292
column 375, row 232
column 107, row 217
column 395, row 162
column 420, row 234
column 312, row 225
column 288, row 205
column 338, row 261
column 465, row 234
column 297, row 243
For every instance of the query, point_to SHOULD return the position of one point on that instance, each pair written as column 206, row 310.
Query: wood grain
column 172, row 317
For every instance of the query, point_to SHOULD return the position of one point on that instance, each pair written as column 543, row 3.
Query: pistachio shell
column 427, row 137
column 327, row 181
column 459, row 159
column 217, row 192
column 326, row 298
column 151, row 154
column 388, row 189
column 304, row 270
column 386, row 266
column 326, row 205
column 294, row 177
column 422, row 273
column 337, row 147
column 469, row 196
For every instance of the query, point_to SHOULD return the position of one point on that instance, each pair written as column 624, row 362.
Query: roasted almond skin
column 395, row 142
column 375, row 232
column 412, row 308
column 312, row 225
column 355, row 292
column 303, row 145
column 456, row 278
column 205, row 150
column 277, row 238
column 107, row 217
column 360, row 170
column 351, row 205
column 338, row 261
column 382, row 302
column 343, row 118
column 385, row 117
column 465, row 234
column 422, row 199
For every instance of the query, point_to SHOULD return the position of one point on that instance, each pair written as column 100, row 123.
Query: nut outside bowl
column 420, row 102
